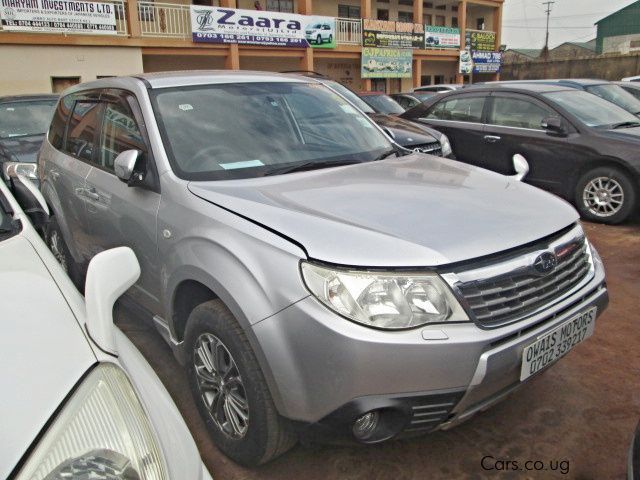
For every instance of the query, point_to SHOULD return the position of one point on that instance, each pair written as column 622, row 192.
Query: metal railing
column 349, row 31
column 164, row 19
column 120, row 8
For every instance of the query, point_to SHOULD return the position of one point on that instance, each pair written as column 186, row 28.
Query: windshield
column 249, row 130
column 616, row 94
column 20, row 119
column 349, row 95
column 423, row 96
column 383, row 104
column 589, row 109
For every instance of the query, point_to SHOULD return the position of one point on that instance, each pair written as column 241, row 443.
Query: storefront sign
column 481, row 41
column 258, row 27
column 441, row 37
column 386, row 63
column 486, row 62
column 66, row 16
column 386, row 34
column 466, row 64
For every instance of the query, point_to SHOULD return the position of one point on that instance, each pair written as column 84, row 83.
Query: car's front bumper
column 326, row 371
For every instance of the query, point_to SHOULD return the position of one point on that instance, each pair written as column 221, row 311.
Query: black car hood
column 20, row 149
column 407, row 133
column 624, row 134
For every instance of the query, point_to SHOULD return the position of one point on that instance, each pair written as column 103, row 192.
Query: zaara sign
column 251, row 27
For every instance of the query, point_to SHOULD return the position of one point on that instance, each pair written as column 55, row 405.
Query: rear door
column 119, row 214
column 513, row 125
column 460, row 118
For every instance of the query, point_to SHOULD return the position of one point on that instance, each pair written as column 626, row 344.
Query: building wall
column 29, row 69
column 624, row 22
column 345, row 71
column 433, row 68
column 570, row 51
column 621, row 43
column 514, row 57
column 165, row 63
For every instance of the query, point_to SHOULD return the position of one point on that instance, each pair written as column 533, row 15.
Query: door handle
column 492, row 138
column 92, row 194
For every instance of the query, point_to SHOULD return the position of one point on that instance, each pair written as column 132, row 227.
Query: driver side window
column 119, row 133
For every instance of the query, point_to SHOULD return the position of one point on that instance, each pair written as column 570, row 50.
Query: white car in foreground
column 78, row 399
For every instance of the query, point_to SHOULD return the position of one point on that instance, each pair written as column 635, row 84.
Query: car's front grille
column 514, row 295
column 433, row 148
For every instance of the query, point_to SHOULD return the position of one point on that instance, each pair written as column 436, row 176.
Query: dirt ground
column 577, row 418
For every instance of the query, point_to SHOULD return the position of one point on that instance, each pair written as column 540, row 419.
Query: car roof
column 517, row 86
column 186, row 78
column 369, row 94
column 583, row 82
column 28, row 98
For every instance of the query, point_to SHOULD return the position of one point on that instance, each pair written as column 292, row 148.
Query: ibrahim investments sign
column 251, row 27
column 58, row 16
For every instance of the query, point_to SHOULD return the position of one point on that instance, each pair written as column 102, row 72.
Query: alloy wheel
column 221, row 387
column 55, row 245
column 603, row 196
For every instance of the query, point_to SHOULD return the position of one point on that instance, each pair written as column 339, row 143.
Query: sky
column 523, row 21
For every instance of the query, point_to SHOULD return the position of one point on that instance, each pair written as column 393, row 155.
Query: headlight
column 384, row 300
column 445, row 145
column 102, row 432
column 13, row 169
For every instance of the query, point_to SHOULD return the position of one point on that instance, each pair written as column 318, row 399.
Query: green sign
column 441, row 37
column 481, row 41
column 386, row 63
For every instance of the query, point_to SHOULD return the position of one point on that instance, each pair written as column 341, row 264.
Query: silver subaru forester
column 315, row 279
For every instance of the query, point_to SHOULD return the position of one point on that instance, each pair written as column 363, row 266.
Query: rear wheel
column 230, row 390
column 606, row 195
column 57, row 245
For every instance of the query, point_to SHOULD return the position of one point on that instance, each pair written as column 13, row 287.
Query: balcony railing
column 348, row 31
column 164, row 19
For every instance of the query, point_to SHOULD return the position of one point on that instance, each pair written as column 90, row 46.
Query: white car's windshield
column 591, row 110
column 255, row 129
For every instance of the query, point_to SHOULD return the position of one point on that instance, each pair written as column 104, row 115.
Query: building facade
column 620, row 31
column 149, row 36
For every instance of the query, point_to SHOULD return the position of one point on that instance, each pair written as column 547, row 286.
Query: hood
column 43, row 351
column 407, row 133
column 417, row 210
column 20, row 149
column 624, row 134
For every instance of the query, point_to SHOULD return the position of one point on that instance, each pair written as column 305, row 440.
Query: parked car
column 411, row 135
column 603, row 89
column 24, row 119
column 381, row 103
column 632, row 87
column 319, row 33
column 78, row 399
column 633, row 461
column 443, row 87
column 410, row 100
column 632, row 79
column 579, row 146
column 314, row 278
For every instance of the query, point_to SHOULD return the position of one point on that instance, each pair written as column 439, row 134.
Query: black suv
column 578, row 145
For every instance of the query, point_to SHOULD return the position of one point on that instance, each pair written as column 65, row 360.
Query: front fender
column 55, row 206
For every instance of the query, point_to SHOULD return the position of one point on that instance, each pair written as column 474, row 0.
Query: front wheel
column 319, row 40
column 605, row 195
column 230, row 390
column 61, row 252
column 330, row 38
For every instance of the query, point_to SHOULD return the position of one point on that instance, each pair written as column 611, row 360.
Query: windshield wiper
column 301, row 167
column 626, row 125
column 387, row 154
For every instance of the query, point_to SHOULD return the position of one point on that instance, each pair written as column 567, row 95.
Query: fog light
column 365, row 425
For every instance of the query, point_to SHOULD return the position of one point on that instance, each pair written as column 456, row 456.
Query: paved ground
column 582, row 411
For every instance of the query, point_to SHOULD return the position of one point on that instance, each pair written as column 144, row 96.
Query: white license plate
column 557, row 343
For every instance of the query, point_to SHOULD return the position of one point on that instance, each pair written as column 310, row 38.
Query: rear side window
column 517, row 112
column 59, row 122
column 119, row 132
column 459, row 109
column 82, row 129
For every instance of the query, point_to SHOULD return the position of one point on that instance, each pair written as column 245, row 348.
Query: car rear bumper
column 328, row 371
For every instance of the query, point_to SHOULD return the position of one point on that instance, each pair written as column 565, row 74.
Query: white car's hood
column 43, row 351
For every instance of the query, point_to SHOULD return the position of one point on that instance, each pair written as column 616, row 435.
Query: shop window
column 441, row 7
column 427, row 19
column 480, row 23
column 280, row 6
column 427, row 4
column 454, row 22
column 405, row 2
column 441, row 20
column 348, row 11
column 454, row 8
column 206, row 3
column 379, row 85
column 58, row 84
column 383, row 14
column 438, row 79
column 383, row 1
column 406, row 17
column 425, row 80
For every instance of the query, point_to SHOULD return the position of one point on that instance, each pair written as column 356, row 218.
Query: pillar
column 306, row 62
column 232, row 62
column 417, row 73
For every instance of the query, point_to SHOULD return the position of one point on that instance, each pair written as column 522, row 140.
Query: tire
column 330, row 38
column 318, row 40
column 605, row 195
column 265, row 434
column 56, row 243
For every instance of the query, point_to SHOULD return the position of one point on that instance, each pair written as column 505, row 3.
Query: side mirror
column 110, row 274
column 125, row 164
column 553, row 125
column 521, row 166
column 31, row 201
column 389, row 132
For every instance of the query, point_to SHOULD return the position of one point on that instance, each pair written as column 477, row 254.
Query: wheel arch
column 55, row 208
column 603, row 162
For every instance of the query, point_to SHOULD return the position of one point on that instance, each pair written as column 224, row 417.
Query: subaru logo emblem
column 545, row 263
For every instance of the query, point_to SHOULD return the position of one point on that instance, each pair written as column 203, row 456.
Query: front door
column 120, row 215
